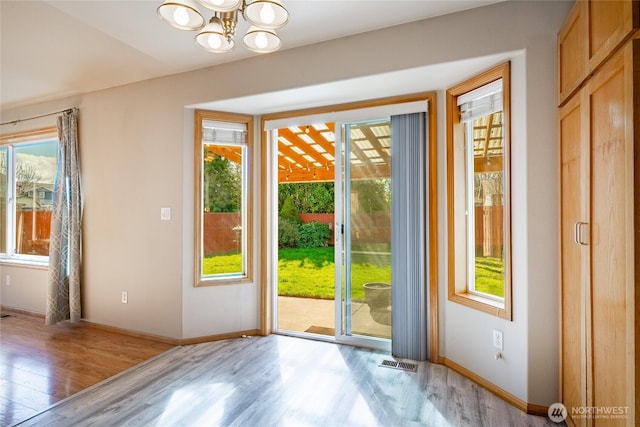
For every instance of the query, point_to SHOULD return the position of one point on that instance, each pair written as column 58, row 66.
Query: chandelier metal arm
column 229, row 23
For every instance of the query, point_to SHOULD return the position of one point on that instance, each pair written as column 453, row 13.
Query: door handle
column 580, row 236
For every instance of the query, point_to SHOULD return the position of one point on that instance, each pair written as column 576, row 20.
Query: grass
column 222, row 264
column 490, row 276
column 310, row 273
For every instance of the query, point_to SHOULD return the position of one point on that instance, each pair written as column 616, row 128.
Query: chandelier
column 264, row 17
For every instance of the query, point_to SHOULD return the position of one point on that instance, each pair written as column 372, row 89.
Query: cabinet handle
column 579, row 235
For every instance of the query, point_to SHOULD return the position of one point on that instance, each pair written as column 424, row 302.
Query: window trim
column 10, row 141
column 458, row 290
column 200, row 116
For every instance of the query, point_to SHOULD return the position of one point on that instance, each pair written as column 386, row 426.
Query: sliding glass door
column 334, row 249
column 364, row 281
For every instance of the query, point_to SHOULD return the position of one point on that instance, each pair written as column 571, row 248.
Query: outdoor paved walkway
column 301, row 314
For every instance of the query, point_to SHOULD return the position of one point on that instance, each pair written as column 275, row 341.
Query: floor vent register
column 403, row 366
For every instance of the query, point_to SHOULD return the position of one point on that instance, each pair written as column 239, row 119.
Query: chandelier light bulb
column 221, row 5
column 181, row 16
column 261, row 40
column 267, row 14
column 214, row 41
column 212, row 37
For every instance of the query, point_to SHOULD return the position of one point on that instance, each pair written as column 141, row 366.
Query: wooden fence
column 33, row 238
column 218, row 233
column 489, row 231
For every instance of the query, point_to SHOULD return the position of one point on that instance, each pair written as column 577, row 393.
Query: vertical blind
column 408, row 236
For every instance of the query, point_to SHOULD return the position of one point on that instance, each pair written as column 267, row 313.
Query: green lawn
column 222, row 264
column 310, row 272
column 490, row 276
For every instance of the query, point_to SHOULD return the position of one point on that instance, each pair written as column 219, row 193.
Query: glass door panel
column 366, row 252
column 305, row 228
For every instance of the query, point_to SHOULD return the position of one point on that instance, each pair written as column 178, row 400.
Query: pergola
column 488, row 143
column 307, row 153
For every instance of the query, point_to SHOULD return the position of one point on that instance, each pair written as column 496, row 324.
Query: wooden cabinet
column 573, row 51
column 592, row 32
column 599, row 131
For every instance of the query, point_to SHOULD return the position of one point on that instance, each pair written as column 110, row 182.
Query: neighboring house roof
column 43, row 187
column 26, row 199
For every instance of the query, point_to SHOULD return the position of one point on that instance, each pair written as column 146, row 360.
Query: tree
column 289, row 211
column 222, row 185
column 308, row 197
column 26, row 177
column 374, row 195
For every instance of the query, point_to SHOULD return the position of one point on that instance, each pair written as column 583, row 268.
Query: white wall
column 136, row 151
column 23, row 287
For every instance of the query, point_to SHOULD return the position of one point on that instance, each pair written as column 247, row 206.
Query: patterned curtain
column 65, row 250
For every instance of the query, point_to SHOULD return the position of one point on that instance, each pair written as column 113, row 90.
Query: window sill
column 235, row 280
column 30, row 263
column 486, row 305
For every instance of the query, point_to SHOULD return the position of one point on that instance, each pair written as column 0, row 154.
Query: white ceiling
column 50, row 49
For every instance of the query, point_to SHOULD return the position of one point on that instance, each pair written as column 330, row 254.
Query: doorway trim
column 266, row 303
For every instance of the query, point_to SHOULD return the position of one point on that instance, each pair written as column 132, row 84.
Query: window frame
column 458, row 260
column 11, row 141
column 199, row 280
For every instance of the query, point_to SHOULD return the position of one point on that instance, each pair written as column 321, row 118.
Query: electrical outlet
column 7, row 280
column 125, row 297
column 165, row 214
column 498, row 341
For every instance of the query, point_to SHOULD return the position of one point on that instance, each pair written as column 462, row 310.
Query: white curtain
column 408, row 236
column 65, row 250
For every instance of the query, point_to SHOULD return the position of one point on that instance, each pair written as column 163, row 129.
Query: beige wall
column 136, row 153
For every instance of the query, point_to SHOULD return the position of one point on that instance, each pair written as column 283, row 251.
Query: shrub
column 288, row 234
column 314, row 235
column 289, row 211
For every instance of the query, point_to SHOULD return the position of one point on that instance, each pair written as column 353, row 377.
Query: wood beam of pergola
column 304, row 170
column 228, row 152
column 488, row 160
column 321, row 168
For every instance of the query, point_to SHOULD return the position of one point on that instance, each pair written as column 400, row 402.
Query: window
column 223, row 226
column 478, row 146
column 28, row 165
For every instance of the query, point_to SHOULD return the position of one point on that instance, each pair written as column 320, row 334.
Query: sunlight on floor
column 208, row 400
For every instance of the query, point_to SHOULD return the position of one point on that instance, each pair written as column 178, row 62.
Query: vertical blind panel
column 408, row 291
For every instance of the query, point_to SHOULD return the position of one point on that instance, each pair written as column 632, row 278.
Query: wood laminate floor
column 282, row 381
column 41, row 365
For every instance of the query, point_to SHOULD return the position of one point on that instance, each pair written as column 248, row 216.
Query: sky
column 43, row 157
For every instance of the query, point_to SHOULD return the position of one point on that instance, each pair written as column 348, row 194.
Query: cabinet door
column 574, row 255
column 611, row 124
column 610, row 23
column 573, row 50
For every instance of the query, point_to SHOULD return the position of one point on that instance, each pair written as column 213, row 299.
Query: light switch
column 165, row 214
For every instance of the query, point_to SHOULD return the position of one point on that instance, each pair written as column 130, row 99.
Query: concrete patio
column 318, row 316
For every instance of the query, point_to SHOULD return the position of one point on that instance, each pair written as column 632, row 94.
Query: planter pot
column 378, row 298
